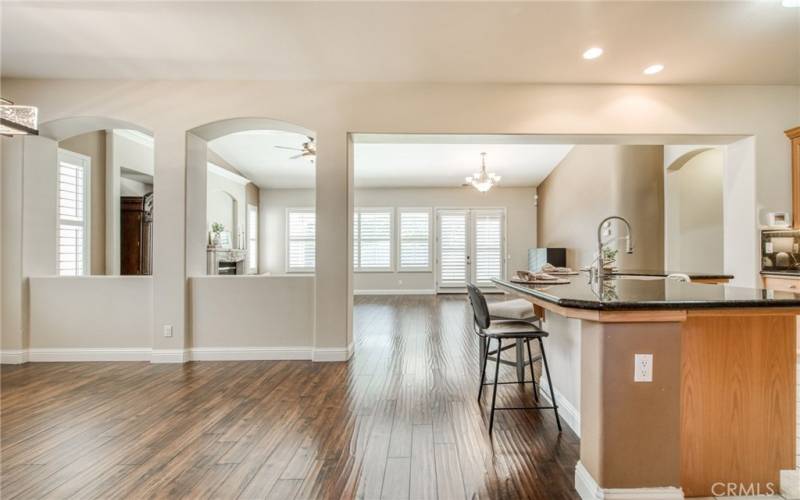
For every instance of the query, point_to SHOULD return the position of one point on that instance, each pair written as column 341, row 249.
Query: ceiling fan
column 307, row 150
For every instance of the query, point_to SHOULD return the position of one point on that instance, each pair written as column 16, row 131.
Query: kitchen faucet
column 599, row 269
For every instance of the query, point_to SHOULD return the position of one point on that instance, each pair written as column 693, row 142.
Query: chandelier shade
column 18, row 120
column 483, row 181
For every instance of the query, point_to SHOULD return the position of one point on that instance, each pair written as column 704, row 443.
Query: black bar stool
column 515, row 330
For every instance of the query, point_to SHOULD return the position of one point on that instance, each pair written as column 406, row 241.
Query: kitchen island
column 719, row 405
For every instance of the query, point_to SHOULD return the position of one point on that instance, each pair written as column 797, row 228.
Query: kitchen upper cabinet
column 794, row 136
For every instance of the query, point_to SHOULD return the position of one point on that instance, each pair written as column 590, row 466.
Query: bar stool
column 503, row 330
column 516, row 310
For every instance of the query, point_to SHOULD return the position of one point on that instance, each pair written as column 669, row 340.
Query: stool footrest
column 528, row 408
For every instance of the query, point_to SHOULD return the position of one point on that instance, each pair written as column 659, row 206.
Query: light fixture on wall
column 18, row 120
column 483, row 181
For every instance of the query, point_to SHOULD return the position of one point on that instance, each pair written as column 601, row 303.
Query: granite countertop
column 789, row 274
column 653, row 272
column 620, row 294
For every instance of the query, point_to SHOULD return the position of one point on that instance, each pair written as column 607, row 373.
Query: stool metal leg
column 549, row 383
column 484, row 360
column 533, row 375
column 494, row 393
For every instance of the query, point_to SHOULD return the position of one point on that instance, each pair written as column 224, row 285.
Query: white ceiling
column 699, row 42
column 446, row 163
column 254, row 154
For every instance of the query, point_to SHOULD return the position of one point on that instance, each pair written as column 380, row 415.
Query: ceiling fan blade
column 289, row 148
column 297, row 156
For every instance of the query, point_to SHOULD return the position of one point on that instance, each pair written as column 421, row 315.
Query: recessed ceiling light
column 594, row 53
column 653, row 69
column 791, row 3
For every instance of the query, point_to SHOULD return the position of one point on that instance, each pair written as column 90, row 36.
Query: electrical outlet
column 168, row 330
column 399, row 282
column 643, row 367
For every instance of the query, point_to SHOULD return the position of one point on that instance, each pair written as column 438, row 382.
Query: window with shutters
column 453, row 248
column 73, row 213
column 488, row 241
column 372, row 245
column 414, row 239
column 300, row 240
column 252, row 238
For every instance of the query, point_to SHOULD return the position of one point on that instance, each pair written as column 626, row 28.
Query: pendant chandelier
column 18, row 120
column 483, row 181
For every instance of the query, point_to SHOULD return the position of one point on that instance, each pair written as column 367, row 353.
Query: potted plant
column 609, row 257
column 216, row 230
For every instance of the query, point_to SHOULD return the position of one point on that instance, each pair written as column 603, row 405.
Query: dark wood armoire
column 136, row 239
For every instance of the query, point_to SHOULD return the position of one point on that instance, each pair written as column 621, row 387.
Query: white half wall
column 252, row 317
column 91, row 312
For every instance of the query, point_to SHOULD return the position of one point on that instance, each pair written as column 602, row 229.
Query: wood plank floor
column 399, row 421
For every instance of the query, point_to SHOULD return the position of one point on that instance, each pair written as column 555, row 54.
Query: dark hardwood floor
column 399, row 421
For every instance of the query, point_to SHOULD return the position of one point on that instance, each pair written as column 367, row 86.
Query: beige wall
column 595, row 181
column 170, row 108
column 694, row 213
column 91, row 312
column 93, row 145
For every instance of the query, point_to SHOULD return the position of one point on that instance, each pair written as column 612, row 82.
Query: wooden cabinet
column 794, row 136
column 136, row 237
column 783, row 284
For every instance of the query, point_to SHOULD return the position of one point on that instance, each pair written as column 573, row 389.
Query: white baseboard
column 13, row 356
column 81, row 354
column 75, row 354
column 394, row 292
column 169, row 356
column 588, row 489
column 568, row 413
column 332, row 354
column 250, row 353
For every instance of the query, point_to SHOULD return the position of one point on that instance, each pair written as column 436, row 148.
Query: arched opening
column 251, row 236
column 694, row 215
column 92, row 195
column 70, row 192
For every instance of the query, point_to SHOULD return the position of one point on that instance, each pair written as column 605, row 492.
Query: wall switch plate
column 168, row 330
column 399, row 282
column 643, row 367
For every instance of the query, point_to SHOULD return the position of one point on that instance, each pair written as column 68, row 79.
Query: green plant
column 609, row 254
column 217, row 228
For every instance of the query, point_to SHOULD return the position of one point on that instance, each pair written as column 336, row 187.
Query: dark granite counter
column 664, row 274
column 621, row 293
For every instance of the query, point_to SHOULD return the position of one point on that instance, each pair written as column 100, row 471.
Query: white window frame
column 392, row 240
column 252, row 239
column 298, row 270
column 74, row 157
column 399, row 240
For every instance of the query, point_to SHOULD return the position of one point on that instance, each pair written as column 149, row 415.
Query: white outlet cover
column 168, row 330
column 643, row 368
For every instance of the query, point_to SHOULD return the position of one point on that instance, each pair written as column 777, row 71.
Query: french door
column 470, row 248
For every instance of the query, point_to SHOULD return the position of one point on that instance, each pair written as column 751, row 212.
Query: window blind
column 73, row 228
column 415, row 240
column 452, row 249
column 374, row 237
column 488, row 246
column 301, row 235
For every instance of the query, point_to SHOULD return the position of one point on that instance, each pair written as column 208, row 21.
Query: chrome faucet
column 599, row 269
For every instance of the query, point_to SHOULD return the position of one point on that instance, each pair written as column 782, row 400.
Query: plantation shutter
column 415, row 239
column 302, row 244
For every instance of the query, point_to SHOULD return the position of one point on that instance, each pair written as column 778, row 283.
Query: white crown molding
column 588, row 489
column 394, row 292
column 568, row 413
column 136, row 136
column 224, row 172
